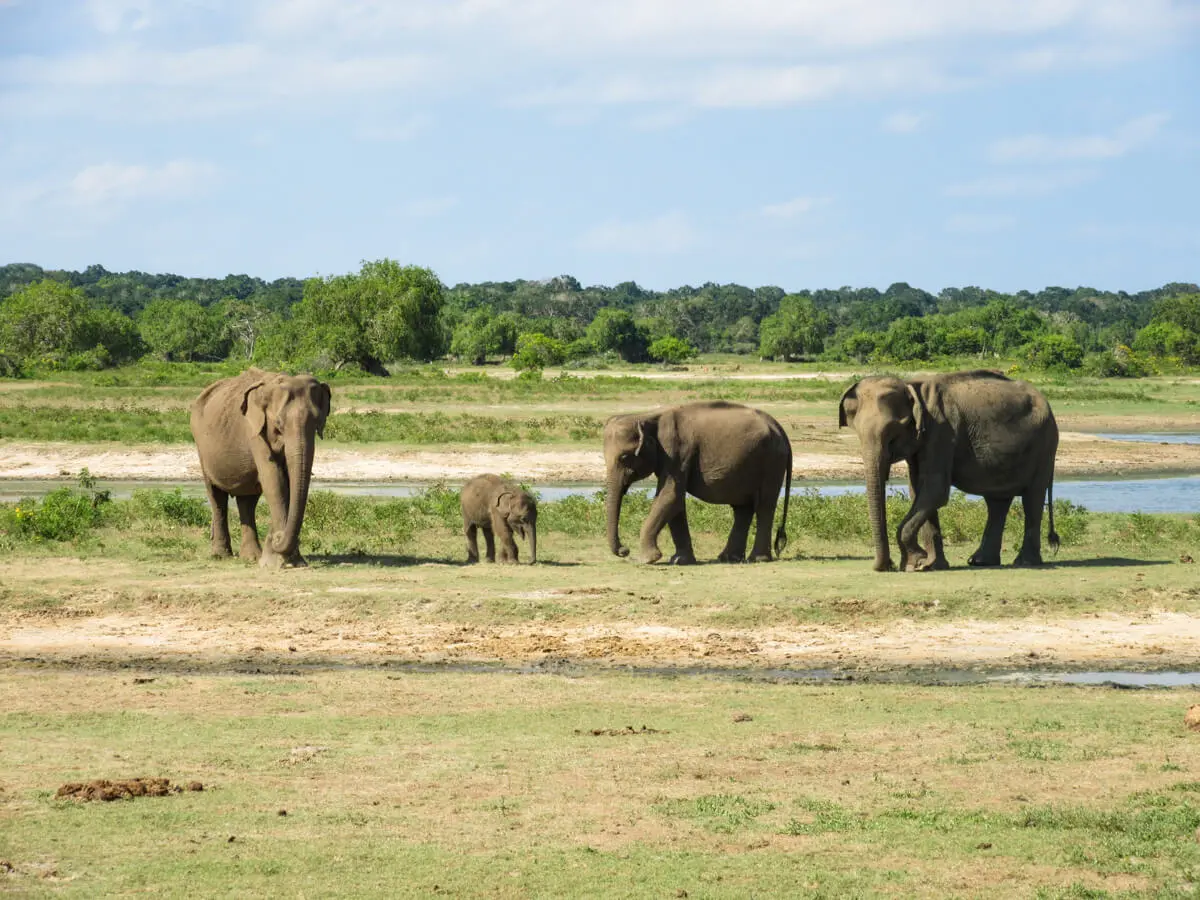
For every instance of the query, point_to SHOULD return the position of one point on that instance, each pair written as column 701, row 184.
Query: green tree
column 1054, row 351
column 671, row 350
column 798, row 329
column 183, row 330
column 384, row 312
column 1182, row 310
column 615, row 330
column 244, row 322
column 859, row 345
column 535, row 351
column 1167, row 339
column 51, row 324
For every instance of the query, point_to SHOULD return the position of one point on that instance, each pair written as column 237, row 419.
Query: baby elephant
column 499, row 508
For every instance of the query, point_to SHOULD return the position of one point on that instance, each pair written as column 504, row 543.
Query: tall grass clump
column 65, row 514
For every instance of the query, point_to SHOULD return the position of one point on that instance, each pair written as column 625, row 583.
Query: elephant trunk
column 299, row 464
column 531, row 533
column 614, row 494
column 877, row 475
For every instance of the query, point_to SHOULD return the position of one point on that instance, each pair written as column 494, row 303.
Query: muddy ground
column 821, row 455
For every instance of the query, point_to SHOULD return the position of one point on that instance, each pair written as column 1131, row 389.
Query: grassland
column 369, row 784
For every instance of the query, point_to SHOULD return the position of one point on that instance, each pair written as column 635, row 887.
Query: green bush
column 62, row 515
column 171, row 507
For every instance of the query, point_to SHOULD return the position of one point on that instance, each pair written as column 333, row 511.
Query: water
column 1179, row 494
column 1154, row 438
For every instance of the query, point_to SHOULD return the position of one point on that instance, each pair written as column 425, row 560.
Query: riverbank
column 821, row 455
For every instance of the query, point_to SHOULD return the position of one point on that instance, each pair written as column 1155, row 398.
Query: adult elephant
column 977, row 431
column 256, row 434
column 718, row 452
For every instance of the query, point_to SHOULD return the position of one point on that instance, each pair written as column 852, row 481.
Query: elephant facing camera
column 500, row 509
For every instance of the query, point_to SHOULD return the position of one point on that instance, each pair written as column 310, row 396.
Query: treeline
column 386, row 312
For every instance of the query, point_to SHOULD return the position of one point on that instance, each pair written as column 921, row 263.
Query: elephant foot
column 250, row 554
column 221, row 553
column 651, row 556
column 272, row 560
column 680, row 559
column 983, row 561
column 931, row 564
column 1024, row 561
column 761, row 557
column 726, row 557
column 884, row 565
column 621, row 552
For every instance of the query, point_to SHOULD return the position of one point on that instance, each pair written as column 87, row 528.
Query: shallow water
column 1180, row 494
column 1154, row 438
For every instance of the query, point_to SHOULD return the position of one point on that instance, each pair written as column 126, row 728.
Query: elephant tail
column 1052, row 538
column 781, row 531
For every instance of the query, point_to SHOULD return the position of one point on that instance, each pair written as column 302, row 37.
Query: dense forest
column 387, row 312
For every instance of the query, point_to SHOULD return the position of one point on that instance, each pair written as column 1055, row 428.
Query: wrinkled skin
column 256, row 435
column 717, row 452
column 976, row 431
column 500, row 509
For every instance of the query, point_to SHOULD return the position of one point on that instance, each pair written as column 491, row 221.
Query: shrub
column 536, row 351
column 671, row 350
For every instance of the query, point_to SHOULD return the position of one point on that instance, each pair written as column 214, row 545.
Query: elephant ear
column 254, row 407
column 848, row 406
column 500, row 499
column 641, row 429
column 324, row 399
column 918, row 406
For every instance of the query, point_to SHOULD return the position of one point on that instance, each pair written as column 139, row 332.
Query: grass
column 494, row 785
column 158, row 541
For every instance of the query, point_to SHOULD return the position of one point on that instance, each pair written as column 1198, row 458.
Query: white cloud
column 429, row 207
column 903, row 122
column 684, row 54
column 406, row 129
column 1041, row 148
column 791, row 209
column 979, row 223
column 1023, row 184
column 111, row 183
column 666, row 234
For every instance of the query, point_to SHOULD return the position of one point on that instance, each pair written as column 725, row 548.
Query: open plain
column 395, row 722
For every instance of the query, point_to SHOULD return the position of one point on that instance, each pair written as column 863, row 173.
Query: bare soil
column 1158, row 640
column 818, row 455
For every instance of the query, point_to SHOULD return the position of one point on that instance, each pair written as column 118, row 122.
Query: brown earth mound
column 619, row 732
column 103, row 789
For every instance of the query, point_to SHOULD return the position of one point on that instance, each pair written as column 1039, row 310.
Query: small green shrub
column 171, row 507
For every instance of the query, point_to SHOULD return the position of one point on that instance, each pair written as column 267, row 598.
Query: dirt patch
column 817, row 455
column 107, row 791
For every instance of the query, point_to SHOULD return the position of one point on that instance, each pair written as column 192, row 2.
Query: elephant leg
column 934, row 493
column 668, row 504
column 251, row 549
column 274, row 480
column 471, row 531
column 763, row 527
column 681, row 536
column 218, row 501
column 988, row 553
column 931, row 541
column 1033, row 503
column 508, row 547
column 489, row 543
column 735, row 546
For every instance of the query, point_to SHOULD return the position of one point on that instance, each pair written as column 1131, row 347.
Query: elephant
column 716, row 451
column 499, row 508
column 977, row 431
column 256, row 434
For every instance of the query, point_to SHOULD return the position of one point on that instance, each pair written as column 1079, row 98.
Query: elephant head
column 889, row 417
column 288, row 413
column 631, row 453
column 519, row 510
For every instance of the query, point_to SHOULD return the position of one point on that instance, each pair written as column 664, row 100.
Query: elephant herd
column 977, row 431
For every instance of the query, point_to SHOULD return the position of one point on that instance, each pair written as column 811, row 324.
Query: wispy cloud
column 669, row 233
column 792, row 209
column 903, row 122
column 1041, row 148
column 1022, row 184
column 113, row 183
column 979, row 223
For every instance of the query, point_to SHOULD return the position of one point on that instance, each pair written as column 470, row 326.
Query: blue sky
column 1010, row 144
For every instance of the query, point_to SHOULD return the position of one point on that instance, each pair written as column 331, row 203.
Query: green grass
column 493, row 785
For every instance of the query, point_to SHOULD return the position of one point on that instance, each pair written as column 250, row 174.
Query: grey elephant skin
column 718, row 452
column 499, row 508
column 980, row 432
column 256, row 435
